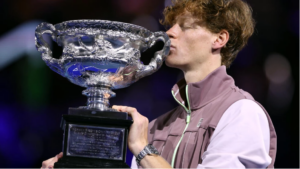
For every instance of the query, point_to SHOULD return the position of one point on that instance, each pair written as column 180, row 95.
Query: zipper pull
column 188, row 118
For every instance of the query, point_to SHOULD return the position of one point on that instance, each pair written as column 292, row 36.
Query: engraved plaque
column 95, row 142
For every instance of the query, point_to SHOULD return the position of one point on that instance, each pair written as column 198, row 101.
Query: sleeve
column 133, row 163
column 240, row 140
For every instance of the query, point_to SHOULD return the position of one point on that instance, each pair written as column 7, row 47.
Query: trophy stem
column 98, row 97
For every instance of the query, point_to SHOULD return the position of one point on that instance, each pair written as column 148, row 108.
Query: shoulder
column 244, row 116
column 241, row 138
column 245, row 108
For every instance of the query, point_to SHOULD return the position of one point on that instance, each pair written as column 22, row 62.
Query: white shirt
column 240, row 140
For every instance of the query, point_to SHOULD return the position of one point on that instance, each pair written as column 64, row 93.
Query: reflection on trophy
column 99, row 55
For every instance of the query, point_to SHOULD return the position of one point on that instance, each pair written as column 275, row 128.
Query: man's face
column 191, row 44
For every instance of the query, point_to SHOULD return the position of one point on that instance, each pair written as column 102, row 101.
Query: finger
column 60, row 155
column 46, row 163
column 116, row 107
column 131, row 112
column 51, row 162
column 119, row 108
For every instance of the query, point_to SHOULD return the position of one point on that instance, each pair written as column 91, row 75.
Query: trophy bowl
column 101, row 55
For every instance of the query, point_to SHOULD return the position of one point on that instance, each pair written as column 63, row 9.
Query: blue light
column 112, row 70
column 91, row 69
column 76, row 70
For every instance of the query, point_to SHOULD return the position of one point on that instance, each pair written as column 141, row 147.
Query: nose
column 172, row 32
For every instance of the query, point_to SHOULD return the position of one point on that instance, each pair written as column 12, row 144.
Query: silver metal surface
column 101, row 55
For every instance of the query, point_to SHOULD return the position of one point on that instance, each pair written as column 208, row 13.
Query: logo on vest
column 199, row 123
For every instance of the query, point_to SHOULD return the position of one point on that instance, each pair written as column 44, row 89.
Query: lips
column 172, row 47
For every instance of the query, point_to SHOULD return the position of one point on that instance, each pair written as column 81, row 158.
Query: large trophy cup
column 98, row 55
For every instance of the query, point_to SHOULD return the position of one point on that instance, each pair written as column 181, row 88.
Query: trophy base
column 94, row 139
column 83, row 164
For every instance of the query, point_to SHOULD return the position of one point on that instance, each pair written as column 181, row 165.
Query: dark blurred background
column 33, row 97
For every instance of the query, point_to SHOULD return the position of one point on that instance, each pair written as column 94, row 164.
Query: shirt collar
column 201, row 93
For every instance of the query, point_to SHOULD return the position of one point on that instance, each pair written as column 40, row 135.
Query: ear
column 220, row 39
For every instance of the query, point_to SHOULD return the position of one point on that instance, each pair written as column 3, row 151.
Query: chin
column 172, row 64
column 168, row 62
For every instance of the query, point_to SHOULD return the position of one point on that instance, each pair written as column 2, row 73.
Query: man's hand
column 137, row 139
column 50, row 162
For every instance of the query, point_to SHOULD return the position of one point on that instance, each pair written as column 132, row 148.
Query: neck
column 199, row 72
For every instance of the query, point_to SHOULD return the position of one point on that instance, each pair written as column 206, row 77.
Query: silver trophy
column 99, row 55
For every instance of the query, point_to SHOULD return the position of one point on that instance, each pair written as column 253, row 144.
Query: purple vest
column 209, row 99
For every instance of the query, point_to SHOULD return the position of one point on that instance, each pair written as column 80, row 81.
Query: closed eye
column 186, row 27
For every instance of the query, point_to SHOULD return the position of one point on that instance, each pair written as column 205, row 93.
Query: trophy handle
column 159, row 56
column 43, row 47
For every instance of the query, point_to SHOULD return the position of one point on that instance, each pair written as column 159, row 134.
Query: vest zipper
column 188, row 118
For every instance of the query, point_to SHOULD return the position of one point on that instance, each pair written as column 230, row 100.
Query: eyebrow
column 184, row 22
column 185, row 19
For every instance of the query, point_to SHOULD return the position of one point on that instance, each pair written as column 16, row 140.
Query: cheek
column 199, row 44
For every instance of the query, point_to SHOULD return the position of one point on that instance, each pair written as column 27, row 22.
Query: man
column 216, row 124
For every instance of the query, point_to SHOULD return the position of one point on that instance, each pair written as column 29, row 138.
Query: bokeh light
column 277, row 68
column 281, row 86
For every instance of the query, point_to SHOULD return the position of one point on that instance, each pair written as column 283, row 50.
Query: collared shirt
column 240, row 140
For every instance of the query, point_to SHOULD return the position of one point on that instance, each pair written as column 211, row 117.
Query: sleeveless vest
column 209, row 99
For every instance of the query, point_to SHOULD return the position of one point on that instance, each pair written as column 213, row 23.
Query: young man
column 216, row 124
